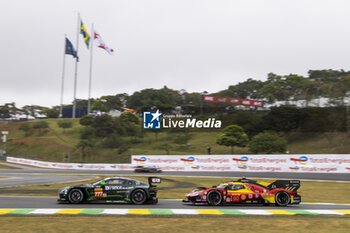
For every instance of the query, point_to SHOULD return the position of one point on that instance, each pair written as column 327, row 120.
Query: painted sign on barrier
column 317, row 163
column 77, row 166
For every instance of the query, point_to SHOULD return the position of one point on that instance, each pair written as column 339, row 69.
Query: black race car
column 147, row 169
column 112, row 188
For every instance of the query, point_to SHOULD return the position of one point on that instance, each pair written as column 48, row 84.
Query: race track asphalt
column 24, row 175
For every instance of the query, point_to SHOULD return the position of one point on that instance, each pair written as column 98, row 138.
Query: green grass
column 56, row 143
column 262, row 224
column 310, row 191
column 3, row 166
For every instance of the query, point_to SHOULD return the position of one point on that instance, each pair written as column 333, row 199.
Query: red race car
column 279, row 192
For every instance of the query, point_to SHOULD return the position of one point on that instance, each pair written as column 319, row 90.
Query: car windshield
column 98, row 182
column 221, row 186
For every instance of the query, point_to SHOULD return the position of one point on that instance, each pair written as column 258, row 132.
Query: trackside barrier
column 310, row 163
column 76, row 166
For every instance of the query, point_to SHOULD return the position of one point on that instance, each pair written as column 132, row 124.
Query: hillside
column 54, row 143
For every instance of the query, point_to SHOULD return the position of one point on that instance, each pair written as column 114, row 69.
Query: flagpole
column 63, row 72
column 76, row 69
column 90, row 71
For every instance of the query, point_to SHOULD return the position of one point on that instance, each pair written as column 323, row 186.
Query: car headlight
column 64, row 191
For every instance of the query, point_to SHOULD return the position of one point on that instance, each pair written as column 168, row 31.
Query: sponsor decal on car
column 243, row 197
column 98, row 192
column 116, row 187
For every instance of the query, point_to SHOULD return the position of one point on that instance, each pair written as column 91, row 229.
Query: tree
column 25, row 127
column 33, row 110
column 232, row 135
column 267, row 142
column 103, row 125
column 244, row 90
column 7, row 110
column 163, row 99
column 65, row 124
column 251, row 122
column 84, row 144
column 86, row 120
column 40, row 125
column 284, row 118
column 53, row 112
column 166, row 146
column 129, row 117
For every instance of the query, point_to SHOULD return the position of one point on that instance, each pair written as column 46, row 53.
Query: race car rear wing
column 291, row 185
column 154, row 180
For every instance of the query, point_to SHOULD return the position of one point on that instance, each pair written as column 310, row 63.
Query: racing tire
column 282, row 198
column 75, row 196
column 138, row 197
column 214, row 198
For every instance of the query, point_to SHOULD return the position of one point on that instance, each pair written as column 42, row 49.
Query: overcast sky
column 203, row 45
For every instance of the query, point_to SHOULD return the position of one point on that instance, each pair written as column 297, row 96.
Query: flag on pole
column 101, row 44
column 70, row 50
column 85, row 34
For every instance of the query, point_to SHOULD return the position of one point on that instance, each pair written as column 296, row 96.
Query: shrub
column 268, row 142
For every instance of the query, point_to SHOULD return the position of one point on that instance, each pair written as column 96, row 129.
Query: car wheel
column 282, row 198
column 75, row 196
column 214, row 198
column 138, row 197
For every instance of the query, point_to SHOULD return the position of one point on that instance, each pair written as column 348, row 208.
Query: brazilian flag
column 85, row 34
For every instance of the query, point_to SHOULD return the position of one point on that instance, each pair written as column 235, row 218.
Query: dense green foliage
column 331, row 84
column 267, row 143
column 232, row 135
column 65, row 124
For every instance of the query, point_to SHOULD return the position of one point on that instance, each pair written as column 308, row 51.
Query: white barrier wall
column 318, row 163
column 77, row 166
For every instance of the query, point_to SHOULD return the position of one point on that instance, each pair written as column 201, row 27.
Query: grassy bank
column 54, row 143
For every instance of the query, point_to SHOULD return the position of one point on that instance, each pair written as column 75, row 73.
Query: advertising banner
column 308, row 163
column 77, row 166
column 318, row 163
column 218, row 99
